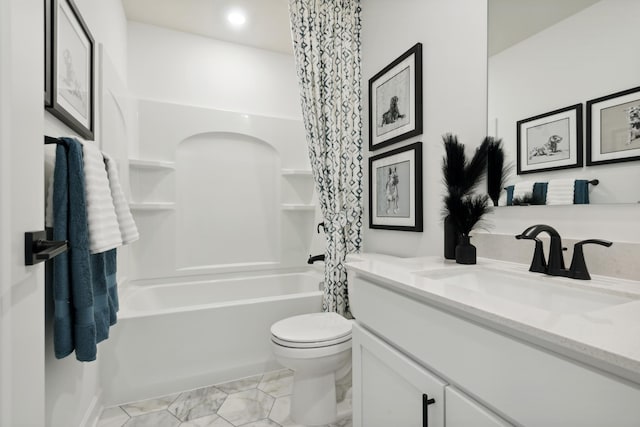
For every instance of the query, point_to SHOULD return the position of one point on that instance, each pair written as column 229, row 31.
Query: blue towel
column 510, row 195
column 581, row 192
column 540, row 192
column 84, row 286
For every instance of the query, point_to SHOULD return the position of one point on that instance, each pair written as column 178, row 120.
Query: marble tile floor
column 258, row 401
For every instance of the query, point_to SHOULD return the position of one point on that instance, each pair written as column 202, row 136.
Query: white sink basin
column 529, row 289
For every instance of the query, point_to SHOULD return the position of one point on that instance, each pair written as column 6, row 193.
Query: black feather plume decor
column 459, row 174
column 467, row 212
column 462, row 210
column 497, row 170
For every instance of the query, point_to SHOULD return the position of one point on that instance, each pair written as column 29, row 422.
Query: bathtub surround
column 233, row 197
column 260, row 400
column 331, row 101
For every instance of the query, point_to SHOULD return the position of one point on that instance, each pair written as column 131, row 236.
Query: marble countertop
column 606, row 338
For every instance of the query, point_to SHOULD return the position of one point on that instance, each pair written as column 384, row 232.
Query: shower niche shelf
column 151, row 164
column 297, row 190
column 297, row 172
column 298, row 207
column 152, row 184
column 152, row 206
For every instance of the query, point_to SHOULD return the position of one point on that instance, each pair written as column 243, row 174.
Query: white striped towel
column 104, row 231
column 523, row 189
column 560, row 191
column 49, row 166
column 128, row 229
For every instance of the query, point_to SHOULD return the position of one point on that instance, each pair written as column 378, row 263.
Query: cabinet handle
column 425, row 406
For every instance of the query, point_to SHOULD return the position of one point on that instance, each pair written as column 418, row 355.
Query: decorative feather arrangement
column 467, row 211
column 497, row 171
column 458, row 174
column 461, row 177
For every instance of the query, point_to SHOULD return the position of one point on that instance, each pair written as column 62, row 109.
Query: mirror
column 547, row 55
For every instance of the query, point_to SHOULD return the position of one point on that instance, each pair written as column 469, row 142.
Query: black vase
column 465, row 251
column 450, row 238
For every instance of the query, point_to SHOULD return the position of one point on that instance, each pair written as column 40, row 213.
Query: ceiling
column 267, row 25
column 511, row 21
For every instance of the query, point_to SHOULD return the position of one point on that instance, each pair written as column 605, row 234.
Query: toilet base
column 314, row 399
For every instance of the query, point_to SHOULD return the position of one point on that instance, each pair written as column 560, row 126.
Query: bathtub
column 188, row 334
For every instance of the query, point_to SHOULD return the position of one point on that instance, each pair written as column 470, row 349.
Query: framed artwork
column 550, row 141
column 47, row 53
column 395, row 189
column 70, row 67
column 395, row 100
column 613, row 128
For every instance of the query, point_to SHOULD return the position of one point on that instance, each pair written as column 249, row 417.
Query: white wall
column 583, row 57
column 589, row 54
column 72, row 387
column 21, row 206
column 453, row 35
column 181, row 68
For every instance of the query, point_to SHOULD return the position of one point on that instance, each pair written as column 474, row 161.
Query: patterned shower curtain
column 326, row 41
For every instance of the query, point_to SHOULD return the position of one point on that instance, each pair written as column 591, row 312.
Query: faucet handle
column 578, row 269
column 538, row 263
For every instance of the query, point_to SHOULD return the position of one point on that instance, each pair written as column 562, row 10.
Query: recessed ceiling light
column 237, row 18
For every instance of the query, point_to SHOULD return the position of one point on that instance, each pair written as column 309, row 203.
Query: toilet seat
column 294, row 344
column 313, row 330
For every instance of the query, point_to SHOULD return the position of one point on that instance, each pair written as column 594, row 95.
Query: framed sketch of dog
column 69, row 68
column 613, row 128
column 550, row 141
column 395, row 189
column 395, row 100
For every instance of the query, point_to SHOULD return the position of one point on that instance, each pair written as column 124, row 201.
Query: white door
column 462, row 411
column 21, row 210
column 389, row 389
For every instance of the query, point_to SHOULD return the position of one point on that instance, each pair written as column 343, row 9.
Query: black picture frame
column 613, row 128
column 71, row 69
column 48, row 78
column 394, row 176
column 550, row 141
column 395, row 100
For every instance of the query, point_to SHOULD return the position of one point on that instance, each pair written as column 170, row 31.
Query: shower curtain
column 326, row 41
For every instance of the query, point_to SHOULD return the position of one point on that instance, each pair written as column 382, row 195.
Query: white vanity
column 492, row 345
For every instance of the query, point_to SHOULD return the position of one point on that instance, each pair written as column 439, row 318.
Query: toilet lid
column 312, row 328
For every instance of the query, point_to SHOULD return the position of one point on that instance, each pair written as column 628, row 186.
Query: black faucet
column 315, row 258
column 578, row 269
column 555, row 265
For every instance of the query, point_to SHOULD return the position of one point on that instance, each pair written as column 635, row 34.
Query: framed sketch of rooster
column 395, row 189
column 395, row 100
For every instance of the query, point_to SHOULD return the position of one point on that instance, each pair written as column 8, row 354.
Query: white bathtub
column 179, row 336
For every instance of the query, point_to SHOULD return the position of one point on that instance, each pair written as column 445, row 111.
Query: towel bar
column 37, row 248
column 51, row 140
column 592, row 182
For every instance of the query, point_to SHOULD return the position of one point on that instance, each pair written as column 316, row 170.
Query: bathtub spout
column 315, row 258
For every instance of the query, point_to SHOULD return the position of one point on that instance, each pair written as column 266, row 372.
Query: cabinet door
column 462, row 411
column 389, row 389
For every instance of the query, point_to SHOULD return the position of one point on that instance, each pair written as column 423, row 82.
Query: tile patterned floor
column 258, row 401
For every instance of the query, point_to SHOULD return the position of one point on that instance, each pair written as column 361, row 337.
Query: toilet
column 317, row 347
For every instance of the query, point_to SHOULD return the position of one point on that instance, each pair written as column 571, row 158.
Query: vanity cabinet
column 405, row 345
column 462, row 411
column 390, row 389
